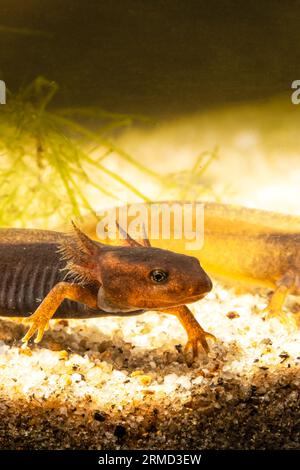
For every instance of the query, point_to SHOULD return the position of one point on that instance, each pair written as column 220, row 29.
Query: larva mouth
column 195, row 298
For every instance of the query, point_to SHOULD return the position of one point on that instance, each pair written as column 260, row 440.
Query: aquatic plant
column 189, row 184
column 46, row 157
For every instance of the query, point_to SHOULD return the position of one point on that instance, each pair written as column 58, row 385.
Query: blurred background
column 160, row 57
column 168, row 98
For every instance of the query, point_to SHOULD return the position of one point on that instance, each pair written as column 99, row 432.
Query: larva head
column 137, row 276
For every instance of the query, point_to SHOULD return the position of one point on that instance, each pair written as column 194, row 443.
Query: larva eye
column 158, row 276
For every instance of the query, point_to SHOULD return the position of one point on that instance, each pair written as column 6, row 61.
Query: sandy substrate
column 122, row 383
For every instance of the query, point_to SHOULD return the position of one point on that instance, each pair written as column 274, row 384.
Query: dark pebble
column 99, row 417
column 120, row 431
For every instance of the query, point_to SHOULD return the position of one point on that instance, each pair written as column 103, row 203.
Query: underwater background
column 121, row 101
column 155, row 57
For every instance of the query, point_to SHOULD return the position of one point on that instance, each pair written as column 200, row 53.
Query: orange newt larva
column 250, row 246
column 51, row 274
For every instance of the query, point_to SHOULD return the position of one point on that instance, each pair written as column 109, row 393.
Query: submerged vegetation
column 46, row 156
column 188, row 184
column 56, row 163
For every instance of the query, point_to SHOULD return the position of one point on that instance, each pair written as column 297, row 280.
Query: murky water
column 154, row 57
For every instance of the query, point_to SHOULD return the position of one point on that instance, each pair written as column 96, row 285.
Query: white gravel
column 123, row 382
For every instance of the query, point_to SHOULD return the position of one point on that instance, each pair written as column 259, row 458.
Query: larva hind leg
column 288, row 284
